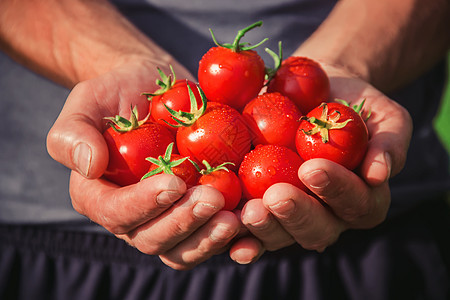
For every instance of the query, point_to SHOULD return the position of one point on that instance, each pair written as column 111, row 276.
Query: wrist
column 101, row 59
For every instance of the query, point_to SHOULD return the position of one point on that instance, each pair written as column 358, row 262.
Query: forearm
column 385, row 42
column 71, row 41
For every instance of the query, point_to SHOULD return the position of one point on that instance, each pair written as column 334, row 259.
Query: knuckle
column 355, row 213
column 179, row 228
column 148, row 247
column 179, row 266
column 322, row 243
column 368, row 215
column 204, row 250
column 114, row 228
column 303, row 221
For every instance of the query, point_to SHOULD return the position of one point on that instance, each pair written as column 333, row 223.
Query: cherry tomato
column 225, row 181
column 173, row 164
column 173, row 94
column 232, row 74
column 333, row 131
column 219, row 135
column 303, row 81
column 272, row 119
column 266, row 165
column 177, row 98
column 129, row 143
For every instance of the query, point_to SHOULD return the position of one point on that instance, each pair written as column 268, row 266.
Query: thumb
column 75, row 139
column 390, row 127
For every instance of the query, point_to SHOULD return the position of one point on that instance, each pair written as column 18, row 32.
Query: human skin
column 367, row 48
column 159, row 216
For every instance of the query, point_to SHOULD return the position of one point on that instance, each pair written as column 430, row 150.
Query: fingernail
column 255, row 220
column 317, row 179
column 204, row 210
column 242, row 257
column 261, row 224
column 82, row 158
column 244, row 262
column 221, row 233
column 167, row 197
column 283, row 209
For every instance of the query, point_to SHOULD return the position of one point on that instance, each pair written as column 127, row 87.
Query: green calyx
column 325, row 123
column 277, row 59
column 237, row 46
column 164, row 164
column 210, row 169
column 165, row 83
column 121, row 125
column 186, row 119
column 359, row 109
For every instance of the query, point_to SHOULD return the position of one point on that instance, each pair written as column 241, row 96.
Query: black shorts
column 405, row 258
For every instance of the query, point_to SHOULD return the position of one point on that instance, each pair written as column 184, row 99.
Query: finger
column 246, row 250
column 76, row 139
column 211, row 239
column 120, row 210
column 263, row 225
column 78, row 145
column 390, row 128
column 243, row 231
column 310, row 223
column 348, row 196
column 177, row 223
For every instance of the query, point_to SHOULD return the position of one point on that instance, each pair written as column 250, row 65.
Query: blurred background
column 442, row 120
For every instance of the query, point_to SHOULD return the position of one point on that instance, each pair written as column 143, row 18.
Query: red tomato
column 335, row 132
column 128, row 150
column 225, row 181
column 267, row 165
column 272, row 119
column 232, row 74
column 177, row 98
column 173, row 94
column 173, row 164
column 219, row 135
column 303, row 81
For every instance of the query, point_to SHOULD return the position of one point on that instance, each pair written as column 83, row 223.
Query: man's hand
column 341, row 199
column 158, row 215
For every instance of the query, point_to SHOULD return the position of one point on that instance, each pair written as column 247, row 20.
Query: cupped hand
column 340, row 199
column 158, row 215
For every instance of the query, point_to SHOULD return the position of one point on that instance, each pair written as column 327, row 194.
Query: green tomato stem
column 237, row 46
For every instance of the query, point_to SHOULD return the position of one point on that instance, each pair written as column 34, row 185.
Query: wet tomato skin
column 227, row 183
column 232, row 78
column 266, row 165
column 186, row 171
column 128, row 151
column 176, row 98
column 346, row 146
column 272, row 119
column 302, row 80
column 219, row 135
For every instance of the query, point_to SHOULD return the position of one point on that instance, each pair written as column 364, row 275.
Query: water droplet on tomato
column 271, row 170
column 258, row 174
column 226, row 66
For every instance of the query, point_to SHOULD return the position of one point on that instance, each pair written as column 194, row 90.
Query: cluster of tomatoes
column 241, row 129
